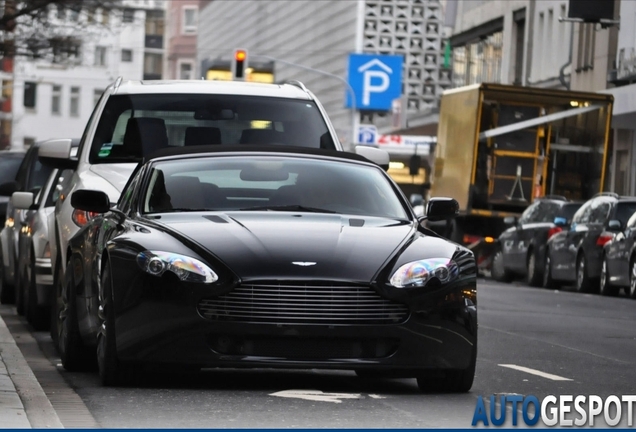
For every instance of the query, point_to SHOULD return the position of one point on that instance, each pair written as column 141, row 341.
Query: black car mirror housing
column 439, row 209
column 90, row 200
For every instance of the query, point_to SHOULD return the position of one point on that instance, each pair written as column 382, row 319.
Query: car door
column 590, row 244
column 619, row 250
column 514, row 241
column 565, row 245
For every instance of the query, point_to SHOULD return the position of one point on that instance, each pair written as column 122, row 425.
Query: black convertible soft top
column 175, row 152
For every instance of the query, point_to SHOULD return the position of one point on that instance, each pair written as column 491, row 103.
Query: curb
column 27, row 406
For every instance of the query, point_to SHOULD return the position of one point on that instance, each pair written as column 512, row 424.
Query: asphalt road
column 551, row 342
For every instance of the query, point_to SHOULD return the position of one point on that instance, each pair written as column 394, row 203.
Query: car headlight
column 419, row 273
column 186, row 268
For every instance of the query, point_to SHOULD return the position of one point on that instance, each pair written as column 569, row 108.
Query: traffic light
column 239, row 65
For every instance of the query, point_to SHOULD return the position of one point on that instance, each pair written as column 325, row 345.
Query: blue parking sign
column 376, row 80
column 367, row 134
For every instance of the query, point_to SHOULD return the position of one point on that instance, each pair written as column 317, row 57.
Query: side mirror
column 510, row 220
column 439, row 209
column 22, row 200
column 375, row 155
column 614, row 225
column 8, row 188
column 560, row 221
column 57, row 154
column 90, row 200
column 416, row 200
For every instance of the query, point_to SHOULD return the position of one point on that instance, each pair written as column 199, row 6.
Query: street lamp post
column 352, row 94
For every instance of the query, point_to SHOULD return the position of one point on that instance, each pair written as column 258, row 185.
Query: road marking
column 316, row 395
column 374, row 396
column 536, row 372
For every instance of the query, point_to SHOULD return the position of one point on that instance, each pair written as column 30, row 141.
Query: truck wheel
column 499, row 272
column 535, row 277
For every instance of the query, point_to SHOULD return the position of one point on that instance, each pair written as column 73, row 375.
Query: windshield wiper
column 293, row 207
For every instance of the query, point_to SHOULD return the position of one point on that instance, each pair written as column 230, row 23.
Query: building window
column 74, row 13
column 185, row 71
column 189, row 20
column 126, row 55
column 479, row 61
column 61, row 12
column 56, row 100
column 105, row 16
column 155, row 22
column 75, row 101
column 30, row 93
column 153, row 65
column 97, row 93
column 129, row 15
column 100, row 56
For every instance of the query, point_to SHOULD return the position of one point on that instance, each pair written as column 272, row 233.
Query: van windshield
column 134, row 126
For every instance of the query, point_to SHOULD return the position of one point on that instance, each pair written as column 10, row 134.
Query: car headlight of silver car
column 186, row 268
column 418, row 273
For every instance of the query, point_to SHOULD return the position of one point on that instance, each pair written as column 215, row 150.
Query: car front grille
column 303, row 303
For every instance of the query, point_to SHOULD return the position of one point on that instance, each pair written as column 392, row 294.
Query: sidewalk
column 23, row 404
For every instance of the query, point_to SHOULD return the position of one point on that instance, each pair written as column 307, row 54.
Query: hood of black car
column 287, row 245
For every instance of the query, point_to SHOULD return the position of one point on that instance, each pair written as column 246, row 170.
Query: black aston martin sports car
column 268, row 257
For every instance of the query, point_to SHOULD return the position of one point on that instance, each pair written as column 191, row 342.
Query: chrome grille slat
column 303, row 303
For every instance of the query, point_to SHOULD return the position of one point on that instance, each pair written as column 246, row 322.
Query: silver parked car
column 34, row 248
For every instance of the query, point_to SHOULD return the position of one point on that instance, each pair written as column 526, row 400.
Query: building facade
column 182, row 18
column 319, row 36
column 53, row 98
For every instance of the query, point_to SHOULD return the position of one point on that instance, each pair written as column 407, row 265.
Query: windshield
column 134, row 126
column 271, row 184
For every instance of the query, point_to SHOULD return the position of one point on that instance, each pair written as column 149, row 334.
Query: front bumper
column 160, row 324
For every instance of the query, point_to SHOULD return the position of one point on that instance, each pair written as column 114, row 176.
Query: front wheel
column 111, row 371
column 75, row 356
column 534, row 277
column 37, row 315
column 7, row 293
column 605, row 287
column 632, row 278
column 548, row 282
column 583, row 283
column 454, row 381
column 498, row 271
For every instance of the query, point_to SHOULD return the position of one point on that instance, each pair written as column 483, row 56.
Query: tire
column 111, row 371
column 548, row 282
column 604, row 284
column 534, row 276
column 19, row 289
column 583, row 283
column 75, row 356
column 56, row 300
column 498, row 271
column 7, row 292
column 37, row 316
column 454, row 381
column 632, row 278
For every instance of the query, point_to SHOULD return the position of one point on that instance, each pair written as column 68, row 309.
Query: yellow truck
column 499, row 147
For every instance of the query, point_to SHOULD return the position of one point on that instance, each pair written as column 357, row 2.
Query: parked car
column 133, row 119
column 31, row 176
column 521, row 248
column 575, row 255
column 9, row 164
column 274, row 258
column 34, row 250
column 619, row 262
